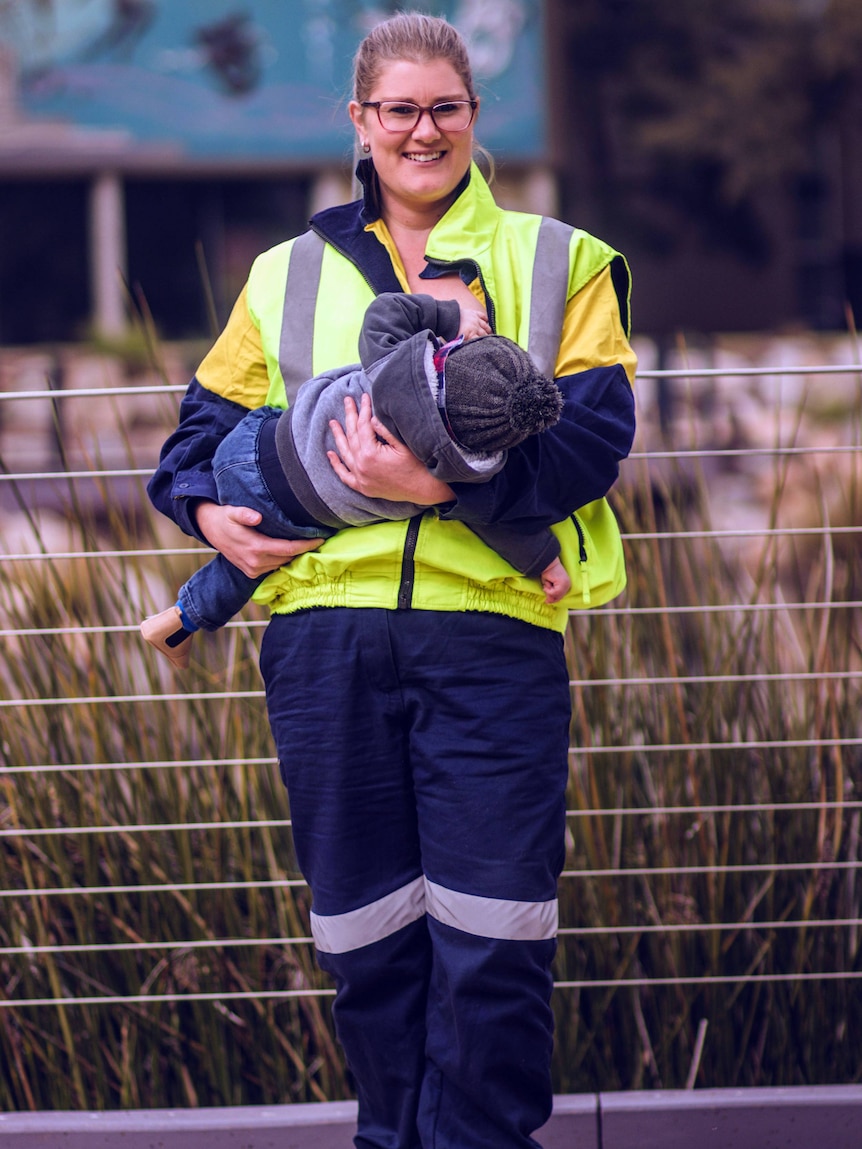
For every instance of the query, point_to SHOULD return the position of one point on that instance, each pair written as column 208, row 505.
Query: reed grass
column 783, row 747
column 741, row 1031
column 171, row 1053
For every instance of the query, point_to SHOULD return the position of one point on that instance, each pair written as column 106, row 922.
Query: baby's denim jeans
column 216, row 592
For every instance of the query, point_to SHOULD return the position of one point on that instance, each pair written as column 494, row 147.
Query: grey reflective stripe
column 482, row 917
column 492, row 917
column 296, row 343
column 549, row 293
column 338, row 933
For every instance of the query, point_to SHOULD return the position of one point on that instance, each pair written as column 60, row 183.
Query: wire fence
column 716, row 757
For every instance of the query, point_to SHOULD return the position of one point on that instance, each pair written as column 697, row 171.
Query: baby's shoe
column 165, row 631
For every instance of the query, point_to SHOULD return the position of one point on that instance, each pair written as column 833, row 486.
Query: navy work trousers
column 425, row 757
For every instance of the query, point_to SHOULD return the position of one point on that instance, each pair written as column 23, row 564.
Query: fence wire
column 796, row 616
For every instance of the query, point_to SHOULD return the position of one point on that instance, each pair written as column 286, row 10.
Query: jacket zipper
column 582, row 561
column 408, row 565
column 477, row 274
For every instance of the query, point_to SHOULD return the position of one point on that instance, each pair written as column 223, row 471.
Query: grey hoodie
column 399, row 336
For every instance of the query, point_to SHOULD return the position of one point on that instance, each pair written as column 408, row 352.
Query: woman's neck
column 410, row 231
column 411, row 225
column 411, row 242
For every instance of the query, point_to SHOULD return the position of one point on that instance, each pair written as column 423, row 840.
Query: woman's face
column 418, row 169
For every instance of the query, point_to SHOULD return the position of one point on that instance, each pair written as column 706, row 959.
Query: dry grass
column 233, row 1051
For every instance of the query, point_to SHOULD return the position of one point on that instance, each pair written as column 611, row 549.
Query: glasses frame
column 420, row 112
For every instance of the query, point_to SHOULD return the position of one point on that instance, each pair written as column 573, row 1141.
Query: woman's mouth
column 422, row 157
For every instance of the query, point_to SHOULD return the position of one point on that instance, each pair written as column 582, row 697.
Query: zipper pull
column 585, row 584
column 582, row 558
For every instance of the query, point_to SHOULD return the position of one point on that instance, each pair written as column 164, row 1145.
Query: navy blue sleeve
column 528, row 552
column 184, row 473
column 570, row 464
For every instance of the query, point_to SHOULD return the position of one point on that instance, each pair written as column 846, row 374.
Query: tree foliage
column 709, row 102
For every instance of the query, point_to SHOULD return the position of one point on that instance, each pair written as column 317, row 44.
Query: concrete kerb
column 802, row 1117
column 792, row 1118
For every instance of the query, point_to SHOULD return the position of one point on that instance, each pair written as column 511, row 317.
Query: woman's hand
column 231, row 531
column 372, row 461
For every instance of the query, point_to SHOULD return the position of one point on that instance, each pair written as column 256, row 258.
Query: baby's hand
column 555, row 581
column 474, row 324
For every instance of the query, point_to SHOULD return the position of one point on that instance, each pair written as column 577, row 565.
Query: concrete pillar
column 541, row 191
column 328, row 189
column 108, row 253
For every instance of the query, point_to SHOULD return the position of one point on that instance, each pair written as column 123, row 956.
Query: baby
column 456, row 395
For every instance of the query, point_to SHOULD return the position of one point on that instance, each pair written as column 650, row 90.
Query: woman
column 416, row 685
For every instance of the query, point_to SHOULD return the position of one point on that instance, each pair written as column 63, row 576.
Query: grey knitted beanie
column 495, row 396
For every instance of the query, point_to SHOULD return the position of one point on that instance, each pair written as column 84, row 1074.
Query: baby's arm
column 392, row 319
column 474, row 323
column 555, row 581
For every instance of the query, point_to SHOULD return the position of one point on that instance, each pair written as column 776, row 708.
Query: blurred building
column 147, row 156
column 150, row 149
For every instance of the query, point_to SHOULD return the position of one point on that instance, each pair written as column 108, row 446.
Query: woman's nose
column 426, row 126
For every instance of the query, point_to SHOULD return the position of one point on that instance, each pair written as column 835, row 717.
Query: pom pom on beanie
column 495, row 396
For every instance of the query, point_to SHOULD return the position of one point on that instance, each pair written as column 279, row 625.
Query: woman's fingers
column 231, row 531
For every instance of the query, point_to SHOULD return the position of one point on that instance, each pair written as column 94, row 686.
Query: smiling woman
column 416, row 684
column 418, row 158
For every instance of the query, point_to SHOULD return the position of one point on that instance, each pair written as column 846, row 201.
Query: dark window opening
column 44, row 272
column 187, row 239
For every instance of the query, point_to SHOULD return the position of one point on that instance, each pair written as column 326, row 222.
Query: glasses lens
column 452, row 116
column 398, row 117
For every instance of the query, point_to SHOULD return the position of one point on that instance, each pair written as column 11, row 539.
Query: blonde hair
column 409, row 36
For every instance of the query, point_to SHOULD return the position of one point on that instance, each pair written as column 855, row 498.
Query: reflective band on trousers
column 492, row 917
column 484, row 917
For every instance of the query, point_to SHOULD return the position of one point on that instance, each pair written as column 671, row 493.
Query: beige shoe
column 167, row 634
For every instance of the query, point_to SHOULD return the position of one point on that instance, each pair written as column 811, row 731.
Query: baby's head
column 491, row 395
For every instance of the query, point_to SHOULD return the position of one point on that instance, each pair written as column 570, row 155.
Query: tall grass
column 746, row 739
column 170, row 1053
column 753, row 1004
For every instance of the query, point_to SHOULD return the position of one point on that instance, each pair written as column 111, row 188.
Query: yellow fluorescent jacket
column 445, row 566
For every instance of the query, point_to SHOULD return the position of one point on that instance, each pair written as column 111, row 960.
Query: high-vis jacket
column 558, row 292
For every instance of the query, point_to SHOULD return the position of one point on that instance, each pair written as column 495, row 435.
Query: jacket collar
column 467, row 228
column 344, row 229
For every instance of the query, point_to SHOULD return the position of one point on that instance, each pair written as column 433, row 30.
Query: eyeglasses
column 403, row 116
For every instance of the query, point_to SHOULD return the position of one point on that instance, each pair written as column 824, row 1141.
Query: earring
column 366, row 147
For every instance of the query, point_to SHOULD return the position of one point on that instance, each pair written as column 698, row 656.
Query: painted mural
column 250, row 80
